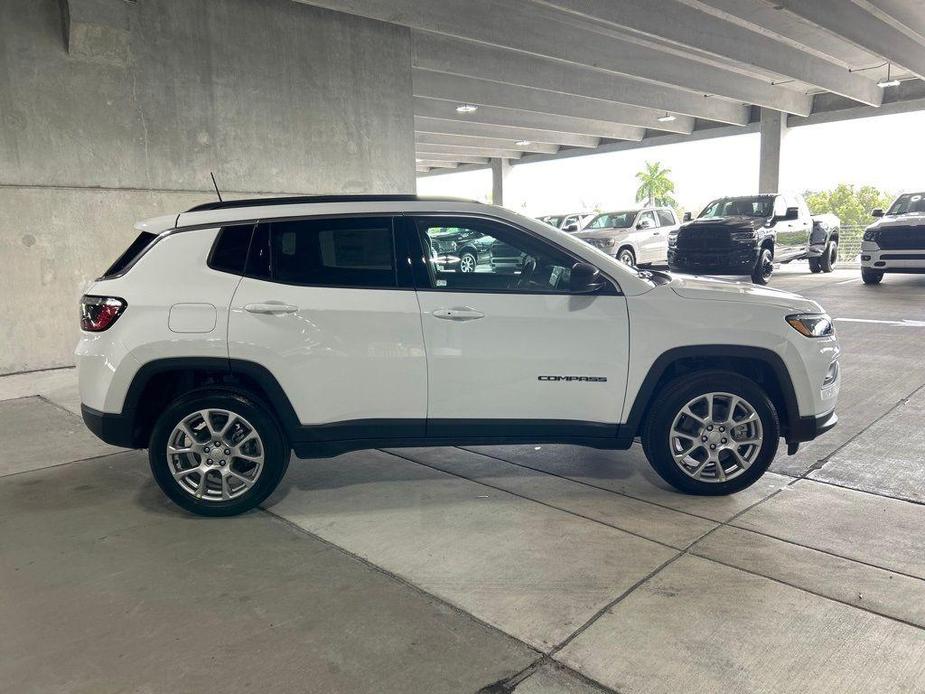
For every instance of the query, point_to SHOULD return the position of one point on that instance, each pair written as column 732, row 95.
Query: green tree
column 851, row 205
column 655, row 188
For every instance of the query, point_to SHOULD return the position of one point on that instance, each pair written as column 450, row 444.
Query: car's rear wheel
column 627, row 257
column 764, row 267
column 711, row 433
column 217, row 453
column 829, row 257
column 871, row 276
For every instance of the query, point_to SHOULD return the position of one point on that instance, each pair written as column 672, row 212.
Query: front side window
column 613, row 220
column 356, row 252
column 666, row 218
column 491, row 257
column 908, row 203
column 646, row 221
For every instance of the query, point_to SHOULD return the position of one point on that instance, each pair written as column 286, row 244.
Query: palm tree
column 655, row 187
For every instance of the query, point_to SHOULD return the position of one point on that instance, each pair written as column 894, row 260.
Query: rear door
column 646, row 235
column 327, row 308
column 510, row 351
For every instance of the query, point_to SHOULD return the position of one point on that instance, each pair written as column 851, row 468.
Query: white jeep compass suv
column 232, row 333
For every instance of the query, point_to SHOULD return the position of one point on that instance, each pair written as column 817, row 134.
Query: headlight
column 870, row 235
column 812, row 324
column 673, row 238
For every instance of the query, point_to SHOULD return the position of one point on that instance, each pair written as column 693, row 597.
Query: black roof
column 305, row 199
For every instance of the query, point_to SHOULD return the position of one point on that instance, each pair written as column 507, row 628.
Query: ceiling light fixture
column 523, row 143
column 466, row 108
column 888, row 82
column 667, row 118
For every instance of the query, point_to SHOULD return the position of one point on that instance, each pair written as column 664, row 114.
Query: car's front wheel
column 871, row 276
column 217, row 453
column 627, row 257
column 467, row 262
column 711, row 433
column 761, row 274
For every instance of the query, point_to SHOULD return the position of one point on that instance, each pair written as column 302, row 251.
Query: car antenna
column 215, row 185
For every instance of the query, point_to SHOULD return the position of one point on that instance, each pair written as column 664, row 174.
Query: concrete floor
column 497, row 569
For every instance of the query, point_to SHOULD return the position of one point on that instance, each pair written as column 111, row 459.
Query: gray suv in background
column 634, row 237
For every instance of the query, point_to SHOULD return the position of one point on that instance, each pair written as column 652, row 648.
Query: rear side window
column 230, row 251
column 135, row 250
column 356, row 252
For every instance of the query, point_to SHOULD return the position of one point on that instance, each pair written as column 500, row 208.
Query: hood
column 713, row 289
column 600, row 233
column 731, row 223
column 913, row 220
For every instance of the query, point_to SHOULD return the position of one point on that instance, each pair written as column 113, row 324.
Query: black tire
column 828, row 259
column 814, row 265
column 676, row 395
column 871, row 276
column 764, row 267
column 275, row 452
column 627, row 257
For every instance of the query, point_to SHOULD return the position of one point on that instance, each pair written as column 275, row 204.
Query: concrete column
column 500, row 168
column 773, row 129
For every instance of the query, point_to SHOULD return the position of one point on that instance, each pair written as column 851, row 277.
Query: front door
column 510, row 351
column 322, row 307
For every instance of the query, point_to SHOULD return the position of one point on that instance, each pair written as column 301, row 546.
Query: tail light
column 98, row 313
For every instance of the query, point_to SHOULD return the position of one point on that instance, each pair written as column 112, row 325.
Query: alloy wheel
column 716, row 437
column 215, row 455
column 467, row 263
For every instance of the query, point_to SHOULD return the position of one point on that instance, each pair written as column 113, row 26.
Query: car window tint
column 356, row 252
column 647, row 218
column 480, row 255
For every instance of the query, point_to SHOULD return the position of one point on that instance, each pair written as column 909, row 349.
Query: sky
column 884, row 151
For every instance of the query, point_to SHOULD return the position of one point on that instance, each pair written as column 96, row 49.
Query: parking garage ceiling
column 522, row 79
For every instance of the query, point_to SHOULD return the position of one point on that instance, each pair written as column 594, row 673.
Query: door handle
column 458, row 314
column 271, row 308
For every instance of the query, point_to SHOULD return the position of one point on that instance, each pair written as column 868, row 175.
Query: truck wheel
column 829, row 257
column 764, row 267
column 871, row 276
column 814, row 265
column 711, row 433
column 217, row 453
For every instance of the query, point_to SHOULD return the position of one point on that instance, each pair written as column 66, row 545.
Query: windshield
column 739, row 207
column 613, row 220
column 910, row 202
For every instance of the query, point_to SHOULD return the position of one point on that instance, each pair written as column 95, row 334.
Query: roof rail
column 307, row 199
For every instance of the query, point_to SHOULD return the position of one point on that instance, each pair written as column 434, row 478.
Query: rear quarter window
column 130, row 255
column 229, row 254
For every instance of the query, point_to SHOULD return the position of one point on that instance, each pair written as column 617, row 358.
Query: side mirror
column 688, row 216
column 585, row 279
column 571, row 227
column 644, row 224
column 876, row 212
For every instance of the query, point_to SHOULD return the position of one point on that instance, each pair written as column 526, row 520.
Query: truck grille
column 902, row 238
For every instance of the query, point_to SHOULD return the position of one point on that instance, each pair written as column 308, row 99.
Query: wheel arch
column 761, row 365
column 158, row 382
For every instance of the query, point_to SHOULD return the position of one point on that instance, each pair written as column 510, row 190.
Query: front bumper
column 114, row 429
column 904, row 260
column 808, row 428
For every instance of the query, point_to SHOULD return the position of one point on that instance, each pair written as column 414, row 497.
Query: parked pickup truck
column 747, row 235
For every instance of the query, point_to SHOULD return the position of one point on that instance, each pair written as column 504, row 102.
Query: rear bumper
column 114, row 429
column 808, row 428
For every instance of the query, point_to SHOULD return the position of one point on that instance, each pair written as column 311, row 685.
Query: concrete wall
column 113, row 111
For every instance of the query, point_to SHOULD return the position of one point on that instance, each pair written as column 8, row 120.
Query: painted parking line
column 853, row 279
column 905, row 323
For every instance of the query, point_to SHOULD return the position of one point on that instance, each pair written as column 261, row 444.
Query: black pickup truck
column 747, row 235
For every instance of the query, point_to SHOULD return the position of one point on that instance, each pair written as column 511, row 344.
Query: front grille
column 902, row 238
column 704, row 240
